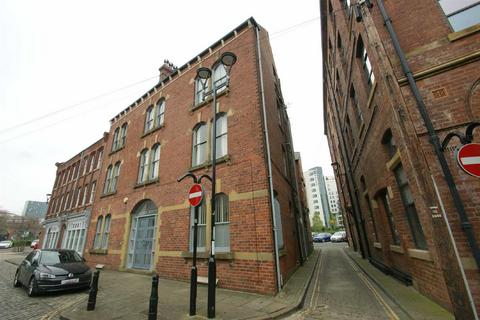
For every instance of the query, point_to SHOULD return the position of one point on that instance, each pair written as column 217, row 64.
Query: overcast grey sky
column 71, row 66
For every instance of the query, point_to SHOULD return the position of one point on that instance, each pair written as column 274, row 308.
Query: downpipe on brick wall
column 269, row 163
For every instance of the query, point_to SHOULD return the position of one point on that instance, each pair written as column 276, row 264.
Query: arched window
column 142, row 236
column 154, row 161
column 199, row 154
column 123, row 135
column 116, row 173
column 143, row 166
column 115, row 143
column 98, row 233
column 365, row 62
column 108, row 179
column 200, row 91
column 220, row 77
column 221, row 136
column 278, row 222
column 160, row 113
column 149, row 119
column 389, row 143
column 222, row 223
column 201, row 227
column 106, row 232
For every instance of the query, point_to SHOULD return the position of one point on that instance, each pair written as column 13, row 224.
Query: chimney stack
column 166, row 70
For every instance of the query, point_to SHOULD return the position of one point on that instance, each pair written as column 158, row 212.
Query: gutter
column 269, row 163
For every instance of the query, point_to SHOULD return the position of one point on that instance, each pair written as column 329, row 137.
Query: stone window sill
column 420, row 254
column 396, row 249
column 394, row 161
column 463, row 33
column 152, row 130
column 209, row 99
column 377, row 245
column 116, row 150
column 207, row 164
column 108, row 194
column 145, row 183
column 206, row 255
column 99, row 251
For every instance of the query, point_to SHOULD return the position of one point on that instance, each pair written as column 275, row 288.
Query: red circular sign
column 468, row 158
column 195, row 195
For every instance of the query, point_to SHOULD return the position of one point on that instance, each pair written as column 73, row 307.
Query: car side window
column 30, row 256
column 36, row 256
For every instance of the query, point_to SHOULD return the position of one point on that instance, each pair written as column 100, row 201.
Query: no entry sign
column 195, row 195
column 468, row 158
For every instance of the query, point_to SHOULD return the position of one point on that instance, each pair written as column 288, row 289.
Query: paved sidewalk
column 124, row 295
column 414, row 304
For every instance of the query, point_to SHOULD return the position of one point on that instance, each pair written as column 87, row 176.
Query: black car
column 52, row 270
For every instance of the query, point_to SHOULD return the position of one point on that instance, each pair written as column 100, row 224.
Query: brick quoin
column 242, row 175
column 446, row 68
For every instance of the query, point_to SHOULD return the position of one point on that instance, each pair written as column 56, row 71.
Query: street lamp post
column 227, row 59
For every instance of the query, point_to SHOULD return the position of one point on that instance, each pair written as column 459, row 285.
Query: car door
column 22, row 269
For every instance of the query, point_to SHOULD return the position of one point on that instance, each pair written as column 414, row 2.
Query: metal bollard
column 92, row 297
column 152, row 310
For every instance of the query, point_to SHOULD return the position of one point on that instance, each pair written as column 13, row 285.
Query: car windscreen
column 50, row 258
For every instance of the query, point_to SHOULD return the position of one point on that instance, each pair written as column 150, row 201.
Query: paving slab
column 124, row 295
column 416, row 305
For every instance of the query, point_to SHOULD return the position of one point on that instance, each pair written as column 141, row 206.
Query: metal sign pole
column 193, row 276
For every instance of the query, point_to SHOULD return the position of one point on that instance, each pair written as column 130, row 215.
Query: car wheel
column 32, row 287
column 16, row 283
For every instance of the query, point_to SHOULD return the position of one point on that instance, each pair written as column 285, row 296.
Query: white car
column 6, row 244
column 339, row 236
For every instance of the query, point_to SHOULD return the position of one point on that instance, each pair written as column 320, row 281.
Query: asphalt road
column 16, row 305
column 340, row 290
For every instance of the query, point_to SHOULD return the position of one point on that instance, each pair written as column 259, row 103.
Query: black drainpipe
column 465, row 223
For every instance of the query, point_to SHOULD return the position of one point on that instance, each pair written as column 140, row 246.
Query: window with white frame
column 106, row 231
column 199, row 155
column 221, row 136
column 85, row 165
column 200, row 91
column 220, row 77
column 278, row 222
column 92, row 191
column 74, row 236
column 99, row 159
column 201, row 227
column 143, row 166
column 222, row 223
column 149, row 119
column 155, row 116
column 160, row 113
column 461, row 14
column 123, row 135
column 115, row 175
column 98, row 233
column 365, row 62
column 92, row 162
column 79, row 192
column 154, row 162
column 85, row 194
column 116, row 137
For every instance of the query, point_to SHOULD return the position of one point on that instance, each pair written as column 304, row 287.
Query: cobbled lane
column 16, row 305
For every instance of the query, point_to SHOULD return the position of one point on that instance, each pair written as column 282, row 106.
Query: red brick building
column 386, row 140
column 141, row 220
column 70, row 206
